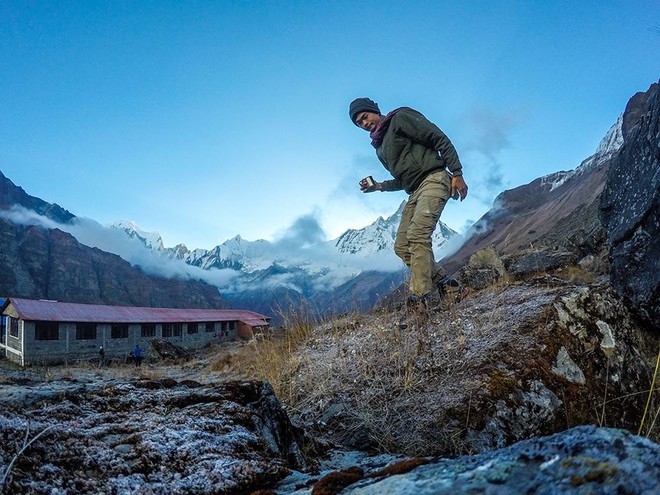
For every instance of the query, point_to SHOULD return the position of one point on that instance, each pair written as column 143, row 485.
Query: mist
column 92, row 234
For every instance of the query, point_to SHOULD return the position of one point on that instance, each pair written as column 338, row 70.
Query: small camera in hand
column 368, row 184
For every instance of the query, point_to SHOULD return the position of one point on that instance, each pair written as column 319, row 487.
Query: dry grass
column 651, row 427
column 382, row 371
column 575, row 274
column 273, row 356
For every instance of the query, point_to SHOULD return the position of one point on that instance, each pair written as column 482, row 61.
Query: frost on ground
column 143, row 436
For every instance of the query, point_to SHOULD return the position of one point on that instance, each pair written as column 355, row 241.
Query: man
column 425, row 164
column 137, row 355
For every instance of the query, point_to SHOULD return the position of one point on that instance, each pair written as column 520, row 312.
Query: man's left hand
column 458, row 184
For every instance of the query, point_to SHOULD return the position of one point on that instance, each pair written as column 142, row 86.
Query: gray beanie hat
column 362, row 105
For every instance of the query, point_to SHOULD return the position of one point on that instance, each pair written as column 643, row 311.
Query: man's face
column 367, row 120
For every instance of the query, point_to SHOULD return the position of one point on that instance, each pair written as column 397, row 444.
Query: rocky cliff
column 630, row 208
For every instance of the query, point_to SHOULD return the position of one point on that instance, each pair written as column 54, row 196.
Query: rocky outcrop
column 91, row 434
column 630, row 209
column 580, row 460
column 115, row 436
column 484, row 268
column 163, row 436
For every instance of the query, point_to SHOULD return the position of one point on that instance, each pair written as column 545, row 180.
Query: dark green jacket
column 412, row 148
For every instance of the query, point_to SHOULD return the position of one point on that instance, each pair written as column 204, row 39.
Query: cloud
column 305, row 242
column 305, row 232
column 491, row 132
column 23, row 216
column 93, row 234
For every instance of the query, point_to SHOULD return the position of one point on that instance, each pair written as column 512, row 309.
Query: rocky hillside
column 512, row 361
column 41, row 263
column 555, row 212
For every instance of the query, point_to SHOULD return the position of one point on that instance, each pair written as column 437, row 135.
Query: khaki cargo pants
column 418, row 221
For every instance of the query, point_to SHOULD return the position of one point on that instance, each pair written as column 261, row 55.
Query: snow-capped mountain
column 235, row 253
column 606, row 149
column 152, row 240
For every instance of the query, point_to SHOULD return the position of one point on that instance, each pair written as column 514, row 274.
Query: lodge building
column 43, row 331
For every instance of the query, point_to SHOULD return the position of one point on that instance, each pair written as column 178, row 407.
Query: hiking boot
column 416, row 304
column 451, row 292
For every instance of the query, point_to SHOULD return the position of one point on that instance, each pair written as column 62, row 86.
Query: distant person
column 137, row 355
column 101, row 357
column 425, row 164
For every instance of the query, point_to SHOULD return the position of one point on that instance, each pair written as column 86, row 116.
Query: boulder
column 110, row 436
column 168, row 350
column 540, row 260
column 584, row 459
column 484, row 268
column 630, row 209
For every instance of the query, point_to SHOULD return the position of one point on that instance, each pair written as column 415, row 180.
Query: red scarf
column 379, row 132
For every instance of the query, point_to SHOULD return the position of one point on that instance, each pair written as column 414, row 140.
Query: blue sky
column 203, row 120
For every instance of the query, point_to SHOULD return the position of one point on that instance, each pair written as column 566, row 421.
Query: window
column 193, row 327
column 13, row 327
column 228, row 326
column 119, row 331
column 210, row 327
column 172, row 329
column 46, row 330
column 85, row 331
column 148, row 330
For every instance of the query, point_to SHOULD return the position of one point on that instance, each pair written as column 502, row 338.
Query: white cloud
column 93, row 234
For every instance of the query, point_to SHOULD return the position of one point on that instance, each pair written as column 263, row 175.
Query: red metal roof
column 44, row 310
